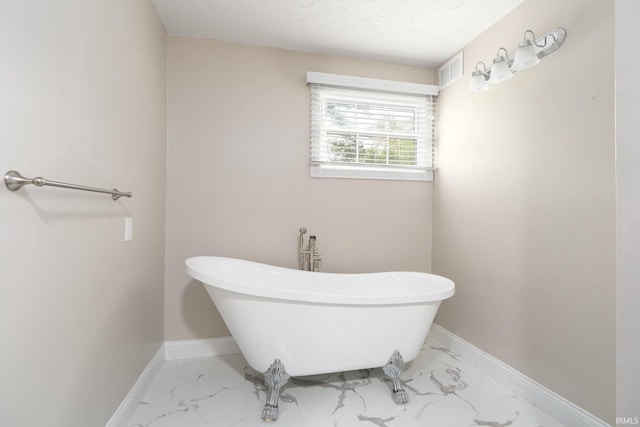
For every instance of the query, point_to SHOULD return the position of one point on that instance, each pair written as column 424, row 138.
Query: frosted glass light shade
column 478, row 82
column 526, row 56
column 500, row 70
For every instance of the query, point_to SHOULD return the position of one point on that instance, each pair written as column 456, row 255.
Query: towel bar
column 14, row 181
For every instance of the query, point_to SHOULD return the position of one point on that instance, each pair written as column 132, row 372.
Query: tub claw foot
column 270, row 413
column 400, row 396
column 393, row 369
column 275, row 377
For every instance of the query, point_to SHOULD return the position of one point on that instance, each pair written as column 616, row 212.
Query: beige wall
column 628, row 209
column 82, row 100
column 524, row 205
column 238, row 178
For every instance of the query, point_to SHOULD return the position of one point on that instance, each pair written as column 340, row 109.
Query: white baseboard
column 128, row 406
column 554, row 405
column 188, row 349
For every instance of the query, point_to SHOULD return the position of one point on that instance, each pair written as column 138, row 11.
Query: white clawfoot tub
column 292, row 322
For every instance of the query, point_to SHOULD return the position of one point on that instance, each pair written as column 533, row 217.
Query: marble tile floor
column 444, row 391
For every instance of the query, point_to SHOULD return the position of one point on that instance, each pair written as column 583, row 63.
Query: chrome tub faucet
column 308, row 258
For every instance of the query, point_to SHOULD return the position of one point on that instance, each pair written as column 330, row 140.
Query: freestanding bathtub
column 294, row 323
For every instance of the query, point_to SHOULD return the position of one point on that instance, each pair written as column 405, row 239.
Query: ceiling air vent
column 450, row 71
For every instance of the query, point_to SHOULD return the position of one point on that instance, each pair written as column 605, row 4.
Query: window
column 371, row 129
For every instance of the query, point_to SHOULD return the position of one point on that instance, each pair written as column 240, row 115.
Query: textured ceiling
column 415, row 32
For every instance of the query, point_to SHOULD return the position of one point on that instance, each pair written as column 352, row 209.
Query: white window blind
column 371, row 133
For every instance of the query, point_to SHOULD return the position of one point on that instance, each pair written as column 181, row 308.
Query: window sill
column 323, row 170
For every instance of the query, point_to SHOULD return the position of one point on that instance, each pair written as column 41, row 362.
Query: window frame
column 321, row 167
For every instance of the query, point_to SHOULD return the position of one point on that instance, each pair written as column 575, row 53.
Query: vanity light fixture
column 528, row 55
